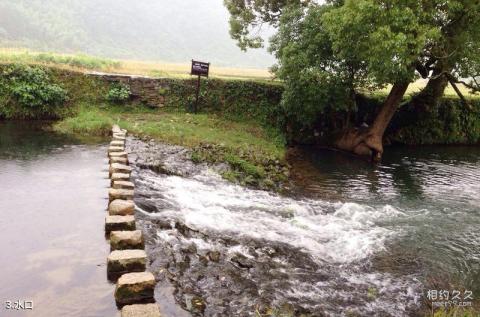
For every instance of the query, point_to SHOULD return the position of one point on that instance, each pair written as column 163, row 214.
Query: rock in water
column 120, row 160
column 119, row 223
column 135, row 288
column 117, row 154
column 123, row 185
column 120, row 168
column 121, row 207
column 126, row 240
column 126, row 261
column 125, row 194
column 141, row 310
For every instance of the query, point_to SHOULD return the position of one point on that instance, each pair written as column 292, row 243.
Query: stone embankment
column 127, row 262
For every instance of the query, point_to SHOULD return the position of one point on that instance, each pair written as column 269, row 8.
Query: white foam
column 335, row 232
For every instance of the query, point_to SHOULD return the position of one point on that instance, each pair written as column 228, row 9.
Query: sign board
column 200, row 68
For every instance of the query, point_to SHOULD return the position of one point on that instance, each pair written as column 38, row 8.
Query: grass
column 84, row 62
column 256, row 154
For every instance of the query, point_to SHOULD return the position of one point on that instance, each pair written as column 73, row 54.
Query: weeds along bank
column 240, row 111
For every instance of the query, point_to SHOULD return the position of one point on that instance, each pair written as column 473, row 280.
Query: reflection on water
column 355, row 239
column 437, row 188
column 52, row 201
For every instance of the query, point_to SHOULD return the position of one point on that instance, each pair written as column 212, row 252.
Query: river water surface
column 351, row 239
column 53, row 196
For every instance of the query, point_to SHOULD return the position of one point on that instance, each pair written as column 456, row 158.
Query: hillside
column 172, row 31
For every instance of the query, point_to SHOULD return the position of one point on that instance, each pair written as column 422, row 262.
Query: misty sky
column 167, row 30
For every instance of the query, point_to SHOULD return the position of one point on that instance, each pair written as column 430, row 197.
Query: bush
column 118, row 93
column 28, row 92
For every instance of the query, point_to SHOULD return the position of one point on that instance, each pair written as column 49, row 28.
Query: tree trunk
column 430, row 95
column 369, row 141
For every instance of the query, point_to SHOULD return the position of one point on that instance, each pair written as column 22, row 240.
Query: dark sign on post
column 199, row 69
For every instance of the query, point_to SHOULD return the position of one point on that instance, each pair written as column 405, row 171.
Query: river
column 352, row 239
column 349, row 239
column 53, row 197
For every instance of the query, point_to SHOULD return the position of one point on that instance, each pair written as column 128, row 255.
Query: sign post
column 200, row 69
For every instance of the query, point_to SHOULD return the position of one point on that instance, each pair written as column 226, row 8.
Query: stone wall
column 150, row 91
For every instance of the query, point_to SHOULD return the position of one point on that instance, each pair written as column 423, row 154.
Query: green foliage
column 118, row 93
column 29, row 92
column 451, row 122
column 248, row 15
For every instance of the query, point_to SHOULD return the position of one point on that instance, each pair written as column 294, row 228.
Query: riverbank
column 255, row 154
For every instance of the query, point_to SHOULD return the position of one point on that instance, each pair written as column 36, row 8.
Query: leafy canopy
column 327, row 52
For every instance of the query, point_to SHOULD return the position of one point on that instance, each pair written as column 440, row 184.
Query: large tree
column 328, row 52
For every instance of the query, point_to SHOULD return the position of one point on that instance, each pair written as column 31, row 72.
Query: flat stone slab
column 120, row 168
column 117, row 143
column 121, row 207
column 123, row 185
column 117, row 154
column 120, row 160
column 126, row 240
column 126, row 261
column 119, row 223
column 135, row 288
column 112, row 149
column 119, row 137
column 116, row 128
column 125, row 194
column 119, row 177
column 141, row 310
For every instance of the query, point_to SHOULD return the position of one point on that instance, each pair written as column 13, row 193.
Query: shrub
column 28, row 92
column 118, row 93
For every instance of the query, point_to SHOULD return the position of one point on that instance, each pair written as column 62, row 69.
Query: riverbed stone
column 123, row 185
column 112, row 149
column 117, row 154
column 119, row 223
column 126, row 240
column 120, row 160
column 126, row 261
column 120, row 168
column 141, row 310
column 134, row 288
column 120, row 207
column 125, row 194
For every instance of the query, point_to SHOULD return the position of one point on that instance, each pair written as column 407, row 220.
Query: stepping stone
column 125, row 194
column 126, row 240
column 120, row 168
column 120, row 160
column 119, row 137
column 121, row 207
column 112, row 149
column 126, row 261
column 123, row 185
column 135, row 288
column 117, row 154
column 141, row 310
column 116, row 129
column 118, row 143
column 119, row 177
column 119, row 223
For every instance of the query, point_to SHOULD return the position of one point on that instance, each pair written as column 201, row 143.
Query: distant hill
column 172, row 31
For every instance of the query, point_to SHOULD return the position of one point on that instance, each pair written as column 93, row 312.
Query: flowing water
column 351, row 239
column 53, row 196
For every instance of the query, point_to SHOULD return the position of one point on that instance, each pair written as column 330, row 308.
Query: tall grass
column 76, row 61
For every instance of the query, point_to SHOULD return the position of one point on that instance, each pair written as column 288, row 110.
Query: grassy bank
column 255, row 154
